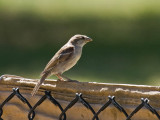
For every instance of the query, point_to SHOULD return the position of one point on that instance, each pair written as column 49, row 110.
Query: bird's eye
column 83, row 37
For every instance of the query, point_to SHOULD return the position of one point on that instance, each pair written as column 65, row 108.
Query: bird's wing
column 61, row 56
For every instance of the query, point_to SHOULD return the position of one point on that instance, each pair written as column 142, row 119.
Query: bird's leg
column 64, row 78
column 67, row 79
column 59, row 76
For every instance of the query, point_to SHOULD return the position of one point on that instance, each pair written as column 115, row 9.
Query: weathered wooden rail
column 96, row 94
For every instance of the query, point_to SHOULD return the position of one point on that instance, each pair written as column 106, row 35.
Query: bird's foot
column 69, row 80
column 60, row 80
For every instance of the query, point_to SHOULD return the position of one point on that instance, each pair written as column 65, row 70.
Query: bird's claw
column 68, row 80
column 60, row 80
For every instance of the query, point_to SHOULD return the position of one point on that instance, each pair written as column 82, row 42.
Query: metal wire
column 78, row 98
column 23, row 99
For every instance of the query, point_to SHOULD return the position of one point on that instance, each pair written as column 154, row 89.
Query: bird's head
column 80, row 40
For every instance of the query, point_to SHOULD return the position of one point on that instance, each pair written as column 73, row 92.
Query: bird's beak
column 88, row 39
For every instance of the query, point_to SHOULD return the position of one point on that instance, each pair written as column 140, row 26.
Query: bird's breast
column 69, row 63
column 75, row 57
column 73, row 60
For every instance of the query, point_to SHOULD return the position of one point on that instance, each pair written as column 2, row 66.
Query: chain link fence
column 78, row 98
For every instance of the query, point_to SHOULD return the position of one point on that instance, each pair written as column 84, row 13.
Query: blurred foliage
column 126, row 38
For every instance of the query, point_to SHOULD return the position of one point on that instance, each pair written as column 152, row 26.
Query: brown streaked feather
column 61, row 56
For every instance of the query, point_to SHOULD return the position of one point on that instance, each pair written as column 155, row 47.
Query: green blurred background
column 125, row 47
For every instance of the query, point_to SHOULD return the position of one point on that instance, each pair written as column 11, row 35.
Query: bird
column 63, row 60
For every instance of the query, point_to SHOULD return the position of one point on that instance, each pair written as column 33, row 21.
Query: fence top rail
column 98, row 93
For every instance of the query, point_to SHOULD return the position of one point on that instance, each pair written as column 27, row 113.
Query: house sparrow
column 63, row 60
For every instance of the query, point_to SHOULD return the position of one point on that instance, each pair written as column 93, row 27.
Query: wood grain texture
column 95, row 93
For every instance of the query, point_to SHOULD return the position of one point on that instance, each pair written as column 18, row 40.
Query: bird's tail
column 44, row 76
